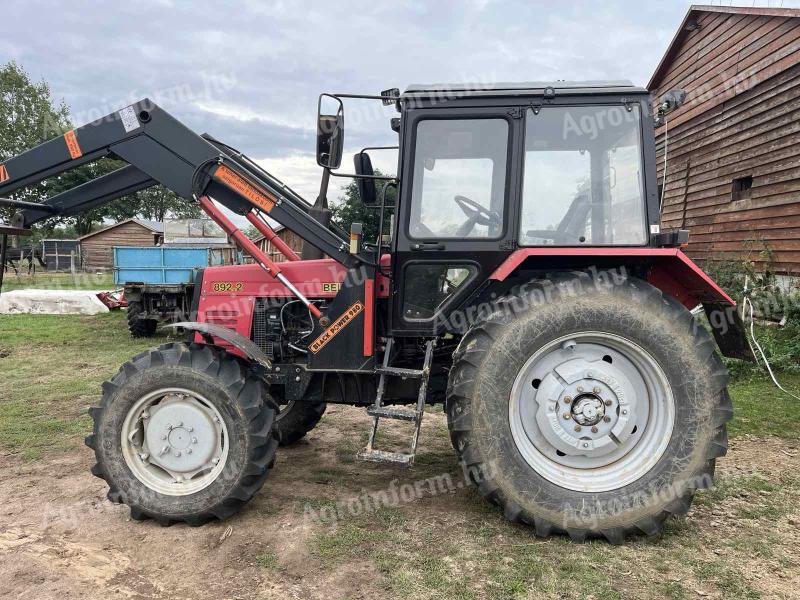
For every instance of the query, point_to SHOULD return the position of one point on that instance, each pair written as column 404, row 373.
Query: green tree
column 155, row 204
column 28, row 117
column 350, row 209
column 252, row 233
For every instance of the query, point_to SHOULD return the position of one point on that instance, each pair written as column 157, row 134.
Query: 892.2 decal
column 227, row 286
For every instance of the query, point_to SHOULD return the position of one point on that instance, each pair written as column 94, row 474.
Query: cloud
column 249, row 71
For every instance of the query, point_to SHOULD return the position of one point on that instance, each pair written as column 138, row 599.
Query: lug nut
column 145, row 415
column 144, row 456
column 216, row 461
column 163, row 437
column 594, row 429
column 624, row 412
column 566, row 415
column 577, row 427
column 596, row 390
column 177, row 453
column 188, row 451
column 568, row 400
column 190, row 429
column 607, row 419
column 194, row 440
column 608, row 402
column 580, row 389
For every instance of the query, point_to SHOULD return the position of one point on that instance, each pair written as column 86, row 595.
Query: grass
column 269, row 560
column 58, row 281
column 52, row 367
column 761, row 409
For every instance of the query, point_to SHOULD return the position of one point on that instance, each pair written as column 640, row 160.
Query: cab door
column 456, row 221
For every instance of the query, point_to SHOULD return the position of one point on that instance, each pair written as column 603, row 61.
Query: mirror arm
column 322, row 198
column 363, row 150
column 357, row 176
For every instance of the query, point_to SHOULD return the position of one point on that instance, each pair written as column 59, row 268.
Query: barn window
column 741, row 188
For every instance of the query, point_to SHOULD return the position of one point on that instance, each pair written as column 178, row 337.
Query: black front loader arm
column 159, row 149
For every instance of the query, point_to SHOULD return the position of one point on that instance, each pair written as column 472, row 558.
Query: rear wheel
column 591, row 410
column 296, row 419
column 183, row 433
column 138, row 325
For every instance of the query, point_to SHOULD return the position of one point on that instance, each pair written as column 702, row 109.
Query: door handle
column 428, row 246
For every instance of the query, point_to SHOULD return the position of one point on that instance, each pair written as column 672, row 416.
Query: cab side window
column 459, row 179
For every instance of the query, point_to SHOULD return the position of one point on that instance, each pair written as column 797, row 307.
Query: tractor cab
column 485, row 171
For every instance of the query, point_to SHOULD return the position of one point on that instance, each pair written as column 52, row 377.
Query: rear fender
column 668, row 269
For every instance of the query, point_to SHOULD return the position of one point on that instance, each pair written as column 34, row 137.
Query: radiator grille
column 261, row 326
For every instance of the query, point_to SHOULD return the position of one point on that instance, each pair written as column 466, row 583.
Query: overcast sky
column 249, row 71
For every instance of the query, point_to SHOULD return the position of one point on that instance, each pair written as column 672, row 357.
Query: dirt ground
column 60, row 538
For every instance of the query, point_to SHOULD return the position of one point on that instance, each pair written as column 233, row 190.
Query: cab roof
column 524, row 88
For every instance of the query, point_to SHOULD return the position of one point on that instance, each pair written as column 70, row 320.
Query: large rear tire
column 183, row 433
column 586, row 409
column 138, row 325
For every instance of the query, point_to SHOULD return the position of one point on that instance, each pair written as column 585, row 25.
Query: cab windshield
column 583, row 181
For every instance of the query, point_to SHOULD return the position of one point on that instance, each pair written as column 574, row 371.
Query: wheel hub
column 588, row 410
column 180, row 435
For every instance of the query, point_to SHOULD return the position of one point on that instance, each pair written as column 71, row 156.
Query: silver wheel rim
column 175, row 442
column 591, row 412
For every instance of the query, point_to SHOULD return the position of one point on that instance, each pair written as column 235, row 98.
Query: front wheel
column 594, row 410
column 183, row 433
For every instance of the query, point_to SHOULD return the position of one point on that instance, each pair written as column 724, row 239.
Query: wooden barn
column 733, row 148
column 97, row 248
column 294, row 241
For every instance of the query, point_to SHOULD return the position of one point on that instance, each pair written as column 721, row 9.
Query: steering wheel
column 476, row 215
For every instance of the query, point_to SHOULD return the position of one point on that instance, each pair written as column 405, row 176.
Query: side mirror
column 330, row 131
column 366, row 187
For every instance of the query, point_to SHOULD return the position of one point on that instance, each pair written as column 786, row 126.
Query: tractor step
column 386, row 457
column 401, row 414
column 404, row 373
column 378, row 410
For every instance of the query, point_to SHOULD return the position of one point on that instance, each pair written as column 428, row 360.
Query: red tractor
column 524, row 282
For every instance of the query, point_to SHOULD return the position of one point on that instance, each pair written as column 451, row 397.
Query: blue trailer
column 159, row 281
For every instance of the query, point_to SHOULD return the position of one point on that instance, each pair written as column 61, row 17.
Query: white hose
column 747, row 309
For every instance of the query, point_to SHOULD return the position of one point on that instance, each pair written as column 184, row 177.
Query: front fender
column 209, row 331
column 668, row 269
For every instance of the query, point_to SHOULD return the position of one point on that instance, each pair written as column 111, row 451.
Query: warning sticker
column 239, row 184
column 129, row 119
column 72, row 145
column 4, row 176
column 332, row 331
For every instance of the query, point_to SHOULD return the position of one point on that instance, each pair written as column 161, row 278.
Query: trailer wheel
column 595, row 410
column 137, row 324
column 296, row 419
column 183, row 433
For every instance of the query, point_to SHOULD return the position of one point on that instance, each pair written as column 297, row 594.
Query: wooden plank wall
column 741, row 117
column 294, row 241
column 97, row 250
